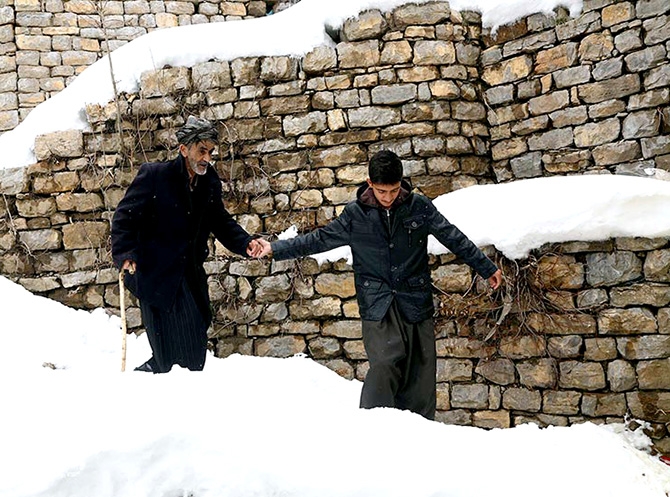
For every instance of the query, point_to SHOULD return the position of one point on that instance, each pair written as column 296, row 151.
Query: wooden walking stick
column 122, row 303
column 124, row 325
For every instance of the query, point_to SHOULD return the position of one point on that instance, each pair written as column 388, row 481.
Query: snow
column 292, row 32
column 45, row 331
column 496, row 13
column 257, row 426
column 251, row 426
column 262, row 426
column 523, row 215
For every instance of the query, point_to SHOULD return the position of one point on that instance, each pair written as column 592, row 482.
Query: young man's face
column 385, row 194
column 198, row 156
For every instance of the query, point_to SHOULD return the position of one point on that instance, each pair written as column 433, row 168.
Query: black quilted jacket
column 389, row 249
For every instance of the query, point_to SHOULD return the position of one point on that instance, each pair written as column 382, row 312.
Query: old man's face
column 198, row 156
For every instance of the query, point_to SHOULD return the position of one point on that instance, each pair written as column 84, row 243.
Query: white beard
column 199, row 169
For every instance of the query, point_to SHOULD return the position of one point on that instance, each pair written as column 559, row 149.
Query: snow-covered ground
column 270, row 427
column 294, row 32
column 259, row 427
column 289, row 427
column 248, row 426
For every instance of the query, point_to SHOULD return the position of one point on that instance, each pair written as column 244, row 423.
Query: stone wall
column 586, row 337
column 569, row 95
column 44, row 44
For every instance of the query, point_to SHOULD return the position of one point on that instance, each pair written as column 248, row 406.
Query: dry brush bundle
column 527, row 289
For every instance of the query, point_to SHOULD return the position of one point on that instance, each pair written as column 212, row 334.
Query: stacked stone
column 9, row 115
column 279, row 5
column 574, row 95
column 299, row 136
column 44, row 45
column 55, row 231
column 602, row 354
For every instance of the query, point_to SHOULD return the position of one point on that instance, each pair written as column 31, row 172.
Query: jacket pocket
column 418, row 281
column 370, row 284
column 419, row 297
column 368, row 291
column 412, row 225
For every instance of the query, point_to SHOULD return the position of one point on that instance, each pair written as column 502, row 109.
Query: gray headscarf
column 196, row 130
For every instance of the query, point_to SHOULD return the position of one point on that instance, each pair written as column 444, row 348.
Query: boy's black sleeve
column 334, row 234
column 459, row 244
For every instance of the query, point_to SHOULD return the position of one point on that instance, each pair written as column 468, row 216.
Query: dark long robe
column 163, row 224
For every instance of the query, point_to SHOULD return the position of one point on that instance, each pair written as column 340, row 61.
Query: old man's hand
column 254, row 248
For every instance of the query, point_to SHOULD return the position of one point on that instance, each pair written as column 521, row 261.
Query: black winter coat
column 164, row 227
column 389, row 250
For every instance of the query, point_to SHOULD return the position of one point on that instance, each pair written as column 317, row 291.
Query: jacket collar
column 180, row 165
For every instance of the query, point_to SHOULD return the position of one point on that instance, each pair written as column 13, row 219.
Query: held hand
column 129, row 266
column 266, row 248
column 254, row 248
column 495, row 280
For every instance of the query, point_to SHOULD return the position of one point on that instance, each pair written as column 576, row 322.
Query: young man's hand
column 266, row 248
column 495, row 280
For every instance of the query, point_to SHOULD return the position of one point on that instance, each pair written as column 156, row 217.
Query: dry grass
column 502, row 312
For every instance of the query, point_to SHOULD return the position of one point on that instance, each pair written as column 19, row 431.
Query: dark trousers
column 402, row 364
column 177, row 335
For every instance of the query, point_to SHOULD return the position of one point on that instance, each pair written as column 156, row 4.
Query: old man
column 159, row 235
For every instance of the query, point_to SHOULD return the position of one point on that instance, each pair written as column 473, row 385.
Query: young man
column 159, row 234
column 387, row 228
